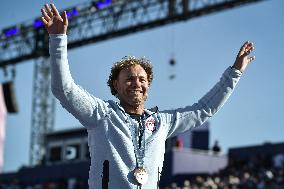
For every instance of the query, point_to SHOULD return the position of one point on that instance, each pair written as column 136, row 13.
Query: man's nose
column 136, row 82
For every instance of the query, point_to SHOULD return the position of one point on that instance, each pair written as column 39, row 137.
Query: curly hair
column 127, row 62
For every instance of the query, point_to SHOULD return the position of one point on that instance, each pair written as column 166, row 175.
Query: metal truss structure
column 89, row 23
column 43, row 107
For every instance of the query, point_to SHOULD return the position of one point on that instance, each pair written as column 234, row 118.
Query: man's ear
column 114, row 83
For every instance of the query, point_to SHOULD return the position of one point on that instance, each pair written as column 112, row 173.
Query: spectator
column 216, row 148
column 179, row 143
column 278, row 160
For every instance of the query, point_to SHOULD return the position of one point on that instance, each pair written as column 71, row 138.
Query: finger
column 249, row 45
column 247, row 48
column 246, row 44
column 48, row 10
column 54, row 9
column 246, row 53
column 44, row 21
column 250, row 48
column 44, row 14
column 243, row 48
column 250, row 59
column 65, row 18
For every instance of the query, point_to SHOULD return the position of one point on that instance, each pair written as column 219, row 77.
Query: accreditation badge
column 141, row 175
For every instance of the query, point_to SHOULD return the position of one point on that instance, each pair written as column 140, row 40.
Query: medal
column 141, row 175
column 137, row 129
column 150, row 124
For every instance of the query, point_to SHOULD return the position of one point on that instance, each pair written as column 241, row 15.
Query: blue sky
column 203, row 47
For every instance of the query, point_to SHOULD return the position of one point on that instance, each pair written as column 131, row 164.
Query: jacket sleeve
column 183, row 119
column 82, row 105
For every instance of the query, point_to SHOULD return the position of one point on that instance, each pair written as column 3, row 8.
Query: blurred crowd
column 258, row 172
column 71, row 183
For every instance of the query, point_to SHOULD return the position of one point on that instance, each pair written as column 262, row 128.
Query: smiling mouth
column 135, row 92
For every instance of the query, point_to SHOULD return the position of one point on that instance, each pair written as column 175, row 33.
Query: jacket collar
column 147, row 111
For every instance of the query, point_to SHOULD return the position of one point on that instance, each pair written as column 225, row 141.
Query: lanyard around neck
column 139, row 151
column 137, row 129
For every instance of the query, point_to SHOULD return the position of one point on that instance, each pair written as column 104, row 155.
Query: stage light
column 38, row 24
column 103, row 4
column 11, row 31
column 72, row 13
column 172, row 62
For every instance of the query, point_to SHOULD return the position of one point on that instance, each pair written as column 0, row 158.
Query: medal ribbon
column 138, row 141
column 139, row 152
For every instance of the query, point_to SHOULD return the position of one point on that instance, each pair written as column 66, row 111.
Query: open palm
column 53, row 21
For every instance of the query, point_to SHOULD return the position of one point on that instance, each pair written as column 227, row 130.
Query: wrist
column 239, row 67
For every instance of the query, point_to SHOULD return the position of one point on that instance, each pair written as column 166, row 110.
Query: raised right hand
column 243, row 58
column 53, row 21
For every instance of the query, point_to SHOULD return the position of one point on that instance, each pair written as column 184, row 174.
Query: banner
column 3, row 112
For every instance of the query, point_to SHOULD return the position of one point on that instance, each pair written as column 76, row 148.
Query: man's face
column 132, row 86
